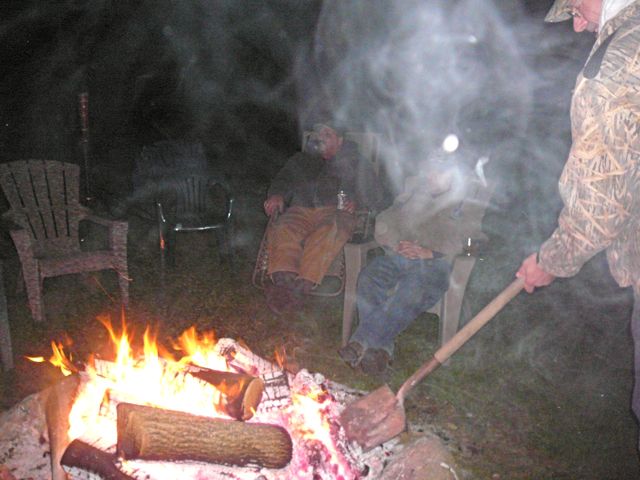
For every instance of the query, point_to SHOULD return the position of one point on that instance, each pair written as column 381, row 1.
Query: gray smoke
column 416, row 71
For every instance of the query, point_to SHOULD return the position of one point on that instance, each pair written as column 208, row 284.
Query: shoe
column 284, row 279
column 351, row 353
column 375, row 361
column 277, row 298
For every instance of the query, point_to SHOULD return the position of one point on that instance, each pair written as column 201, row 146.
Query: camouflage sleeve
column 596, row 187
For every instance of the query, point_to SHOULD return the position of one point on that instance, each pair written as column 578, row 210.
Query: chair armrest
column 101, row 221
column 229, row 207
column 355, row 258
column 112, row 225
column 364, row 226
column 117, row 231
column 162, row 220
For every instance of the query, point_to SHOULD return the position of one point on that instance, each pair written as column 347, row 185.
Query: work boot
column 277, row 298
column 278, row 291
column 284, row 279
column 351, row 353
column 375, row 361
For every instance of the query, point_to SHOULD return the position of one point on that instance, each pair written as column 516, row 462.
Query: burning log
column 155, row 434
column 57, row 406
column 242, row 392
column 82, row 455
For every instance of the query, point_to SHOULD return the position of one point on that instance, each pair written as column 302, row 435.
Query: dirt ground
column 541, row 393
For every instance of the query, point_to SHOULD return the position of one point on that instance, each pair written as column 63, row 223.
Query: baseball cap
column 559, row 11
column 318, row 127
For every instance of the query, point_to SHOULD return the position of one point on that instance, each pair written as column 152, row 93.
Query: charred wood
column 242, row 392
column 57, row 407
column 86, row 457
column 238, row 395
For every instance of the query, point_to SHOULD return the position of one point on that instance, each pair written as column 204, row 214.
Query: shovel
column 379, row 416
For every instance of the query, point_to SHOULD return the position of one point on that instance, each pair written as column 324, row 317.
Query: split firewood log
column 239, row 393
column 57, row 407
column 156, row 434
column 91, row 459
column 242, row 393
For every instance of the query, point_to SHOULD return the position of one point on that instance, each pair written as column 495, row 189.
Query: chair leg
column 452, row 301
column 34, row 285
column 123, row 283
column 170, row 248
column 355, row 256
column 229, row 236
column 19, row 282
column 6, row 352
column 223, row 241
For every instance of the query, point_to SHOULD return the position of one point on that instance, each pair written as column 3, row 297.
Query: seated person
column 305, row 239
column 419, row 234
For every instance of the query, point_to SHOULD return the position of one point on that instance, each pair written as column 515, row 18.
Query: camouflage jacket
column 600, row 183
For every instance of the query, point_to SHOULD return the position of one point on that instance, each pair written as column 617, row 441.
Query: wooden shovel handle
column 460, row 338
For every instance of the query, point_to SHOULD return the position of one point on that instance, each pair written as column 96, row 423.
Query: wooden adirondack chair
column 449, row 308
column 43, row 196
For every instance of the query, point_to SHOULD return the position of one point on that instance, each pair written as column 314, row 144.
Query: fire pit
column 219, row 412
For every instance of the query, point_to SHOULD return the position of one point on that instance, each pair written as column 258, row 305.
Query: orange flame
column 280, row 355
column 146, row 379
column 58, row 359
column 155, row 378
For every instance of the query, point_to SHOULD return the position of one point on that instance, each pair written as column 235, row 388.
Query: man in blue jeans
column 419, row 234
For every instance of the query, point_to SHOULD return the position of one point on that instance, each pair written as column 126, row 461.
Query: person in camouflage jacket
column 600, row 183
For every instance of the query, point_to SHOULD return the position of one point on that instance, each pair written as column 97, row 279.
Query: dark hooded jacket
column 308, row 180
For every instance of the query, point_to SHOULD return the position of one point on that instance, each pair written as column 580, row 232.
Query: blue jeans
column 392, row 292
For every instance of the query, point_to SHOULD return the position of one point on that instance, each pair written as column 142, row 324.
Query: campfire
column 219, row 411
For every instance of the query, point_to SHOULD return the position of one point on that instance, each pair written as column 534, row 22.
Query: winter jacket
column 600, row 184
column 436, row 222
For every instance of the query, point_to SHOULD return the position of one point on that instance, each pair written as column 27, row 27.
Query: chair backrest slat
column 192, row 195
column 38, row 176
column 44, row 199
column 59, row 197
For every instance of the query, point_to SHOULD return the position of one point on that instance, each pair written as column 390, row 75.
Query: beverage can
column 342, row 200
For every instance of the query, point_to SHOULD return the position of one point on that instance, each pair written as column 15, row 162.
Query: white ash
column 24, row 441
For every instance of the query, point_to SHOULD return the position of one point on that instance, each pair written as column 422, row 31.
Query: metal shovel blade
column 374, row 418
column 379, row 416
